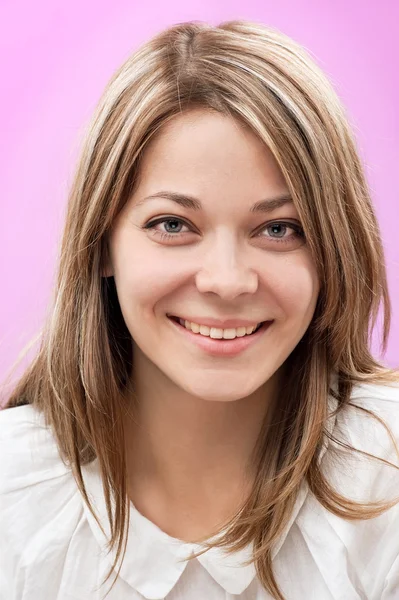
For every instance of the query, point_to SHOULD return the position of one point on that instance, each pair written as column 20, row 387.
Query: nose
column 224, row 274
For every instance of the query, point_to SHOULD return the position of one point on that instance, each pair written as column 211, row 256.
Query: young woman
column 204, row 418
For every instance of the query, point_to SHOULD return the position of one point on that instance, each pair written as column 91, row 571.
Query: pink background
column 58, row 56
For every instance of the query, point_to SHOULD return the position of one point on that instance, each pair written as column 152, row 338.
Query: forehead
column 208, row 149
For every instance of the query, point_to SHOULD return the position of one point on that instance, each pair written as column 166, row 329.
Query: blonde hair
column 79, row 378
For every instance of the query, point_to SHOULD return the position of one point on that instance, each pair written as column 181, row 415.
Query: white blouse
column 51, row 548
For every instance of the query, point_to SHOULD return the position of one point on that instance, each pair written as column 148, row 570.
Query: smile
column 220, row 342
column 219, row 333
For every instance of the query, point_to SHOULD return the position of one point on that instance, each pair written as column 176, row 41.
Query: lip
column 219, row 323
column 221, row 347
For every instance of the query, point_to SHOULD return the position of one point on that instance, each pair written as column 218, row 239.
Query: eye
column 172, row 223
column 278, row 229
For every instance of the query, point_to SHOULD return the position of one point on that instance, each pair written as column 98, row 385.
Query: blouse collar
column 154, row 561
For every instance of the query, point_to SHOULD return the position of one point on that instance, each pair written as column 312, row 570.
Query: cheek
column 295, row 287
column 143, row 277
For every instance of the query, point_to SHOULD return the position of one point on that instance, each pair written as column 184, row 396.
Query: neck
column 190, row 460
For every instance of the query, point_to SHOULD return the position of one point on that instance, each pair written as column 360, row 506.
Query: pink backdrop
column 56, row 59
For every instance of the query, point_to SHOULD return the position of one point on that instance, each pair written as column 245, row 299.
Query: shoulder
column 366, row 424
column 362, row 423
column 383, row 396
column 28, row 449
column 363, row 458
column 40, row 504
column 359, row 555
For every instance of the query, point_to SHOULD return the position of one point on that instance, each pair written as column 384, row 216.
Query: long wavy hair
column 80, row 375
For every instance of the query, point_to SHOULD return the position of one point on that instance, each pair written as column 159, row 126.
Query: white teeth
column 217, row 333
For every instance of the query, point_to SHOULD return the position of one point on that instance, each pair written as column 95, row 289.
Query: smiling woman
column 205, row 409
column 226, row 263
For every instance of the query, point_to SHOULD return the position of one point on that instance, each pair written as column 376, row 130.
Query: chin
column 215, row 391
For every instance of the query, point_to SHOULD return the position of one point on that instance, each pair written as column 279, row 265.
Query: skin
column 198, row 416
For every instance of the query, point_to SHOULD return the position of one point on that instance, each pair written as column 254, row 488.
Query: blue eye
column 282, row 228
column 173, row 230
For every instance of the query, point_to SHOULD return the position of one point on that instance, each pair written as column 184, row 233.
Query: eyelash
column 298, row 231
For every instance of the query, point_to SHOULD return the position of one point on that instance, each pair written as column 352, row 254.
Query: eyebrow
column 187, row 201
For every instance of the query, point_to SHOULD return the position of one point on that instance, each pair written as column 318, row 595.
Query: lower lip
column 221, row 347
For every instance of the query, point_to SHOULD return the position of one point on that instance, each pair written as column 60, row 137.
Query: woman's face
column 212, row 258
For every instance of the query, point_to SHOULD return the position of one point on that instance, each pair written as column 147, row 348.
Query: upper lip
column 220, row 323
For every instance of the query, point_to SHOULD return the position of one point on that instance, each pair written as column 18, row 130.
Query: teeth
column 216, row 333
